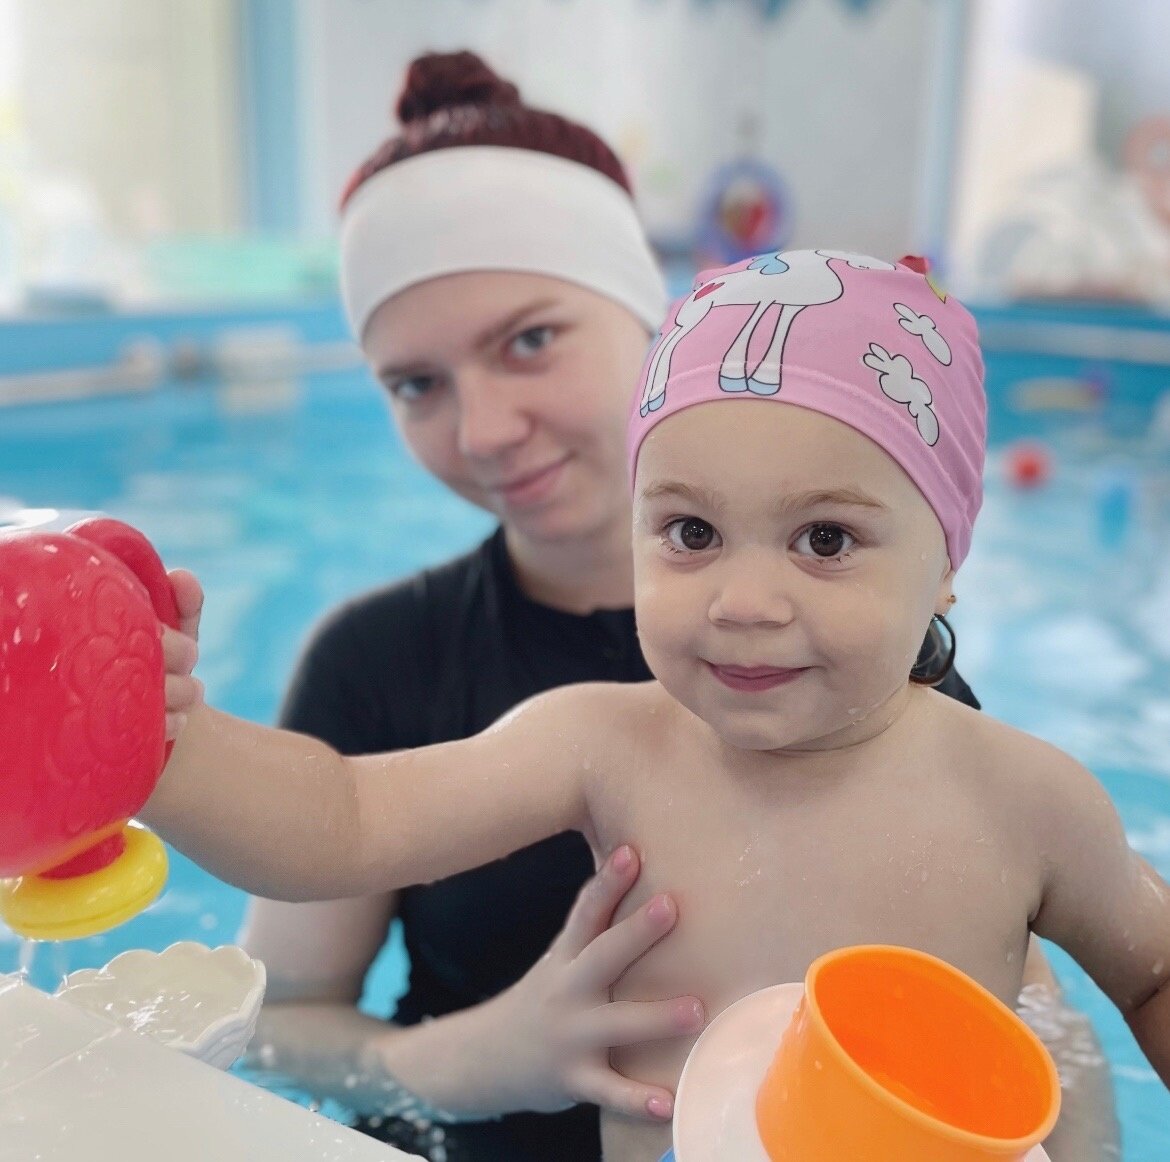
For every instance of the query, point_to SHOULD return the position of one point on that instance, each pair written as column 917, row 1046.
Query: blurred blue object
column 1116, row 499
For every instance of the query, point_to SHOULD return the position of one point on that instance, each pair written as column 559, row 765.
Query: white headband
column 488, row 207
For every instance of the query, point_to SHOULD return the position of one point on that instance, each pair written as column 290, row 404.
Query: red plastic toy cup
column 82, row 726
column 894, row 1054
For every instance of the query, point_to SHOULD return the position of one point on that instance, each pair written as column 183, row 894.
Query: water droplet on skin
column 1010, row 957
column 1158, row 966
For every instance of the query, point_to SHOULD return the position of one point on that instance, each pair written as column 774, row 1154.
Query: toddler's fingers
column 597, row 902
column 189, row 599
column 183, row 693
column 180, row 653
column 612, row 1091
column 632, row 1022
column 612, row 952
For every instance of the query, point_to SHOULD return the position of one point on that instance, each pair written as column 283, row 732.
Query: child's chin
column 758, row 738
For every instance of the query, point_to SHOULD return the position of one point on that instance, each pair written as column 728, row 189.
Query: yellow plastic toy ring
column 84, row 905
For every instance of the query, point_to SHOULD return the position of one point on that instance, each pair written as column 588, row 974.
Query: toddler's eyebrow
column 709, row 500
column 700, row 497
column 852, row 497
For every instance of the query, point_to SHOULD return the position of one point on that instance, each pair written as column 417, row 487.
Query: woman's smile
column 532, row 487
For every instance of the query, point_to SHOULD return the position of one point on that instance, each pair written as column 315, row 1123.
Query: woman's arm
column 1101, row 901
column 542, row 1045
column 316, row 956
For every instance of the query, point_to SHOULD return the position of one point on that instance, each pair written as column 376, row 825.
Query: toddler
column 806, row 456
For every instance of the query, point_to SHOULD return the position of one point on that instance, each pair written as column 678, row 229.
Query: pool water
column 287, row 497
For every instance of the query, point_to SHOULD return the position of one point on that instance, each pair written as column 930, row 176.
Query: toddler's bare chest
column 766, row 883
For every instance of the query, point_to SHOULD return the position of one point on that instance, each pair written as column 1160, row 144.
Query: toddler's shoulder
column 1025, row 768
column 592, row 709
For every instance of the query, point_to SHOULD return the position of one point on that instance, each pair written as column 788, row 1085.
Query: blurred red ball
column 1027, row 464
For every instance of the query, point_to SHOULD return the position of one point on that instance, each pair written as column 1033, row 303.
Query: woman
column 503, row 293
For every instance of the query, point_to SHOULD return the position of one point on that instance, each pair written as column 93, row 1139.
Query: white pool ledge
column 76, row 1087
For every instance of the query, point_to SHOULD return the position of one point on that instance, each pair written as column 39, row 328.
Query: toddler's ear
column 945, row 597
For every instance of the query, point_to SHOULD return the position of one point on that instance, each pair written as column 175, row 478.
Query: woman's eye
column 412, row 388
column 825, row 541
column 530, row 342
column 688, row 534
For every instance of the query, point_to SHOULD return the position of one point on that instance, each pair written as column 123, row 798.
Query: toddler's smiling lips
column 753, row 678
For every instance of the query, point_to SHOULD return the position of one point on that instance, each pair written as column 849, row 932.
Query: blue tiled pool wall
column 49, row 343
column 44, row 344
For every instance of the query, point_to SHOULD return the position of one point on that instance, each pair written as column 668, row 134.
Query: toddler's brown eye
column 826, row 540
column 691, row 534
column 696, row 534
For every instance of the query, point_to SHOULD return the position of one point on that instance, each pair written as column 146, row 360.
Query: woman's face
column 513, row 389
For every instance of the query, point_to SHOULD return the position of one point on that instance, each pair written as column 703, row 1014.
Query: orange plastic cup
column 895, row 1056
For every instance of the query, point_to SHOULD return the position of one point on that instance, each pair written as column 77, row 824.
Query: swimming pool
column 287, row 497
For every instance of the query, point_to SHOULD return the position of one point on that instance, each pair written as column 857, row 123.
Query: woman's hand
column 542, row 1045
column 181, row 652
column 550, row 1034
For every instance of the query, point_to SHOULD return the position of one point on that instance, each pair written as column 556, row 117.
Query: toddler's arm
column 284, row 816
column 1103, row 903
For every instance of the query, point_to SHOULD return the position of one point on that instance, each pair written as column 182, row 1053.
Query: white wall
column 134, row 103
column 843, row 100
column 1124, row 46
column 1053, row 88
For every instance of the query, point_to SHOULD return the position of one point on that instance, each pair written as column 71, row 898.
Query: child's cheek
column 880, row 650
column 666, row 621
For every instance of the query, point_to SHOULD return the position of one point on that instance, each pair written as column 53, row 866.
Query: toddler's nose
column 752, row 592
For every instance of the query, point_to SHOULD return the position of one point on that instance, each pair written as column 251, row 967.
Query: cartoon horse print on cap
column 792, row 280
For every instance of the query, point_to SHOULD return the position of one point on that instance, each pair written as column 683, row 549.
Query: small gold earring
column 952, row 599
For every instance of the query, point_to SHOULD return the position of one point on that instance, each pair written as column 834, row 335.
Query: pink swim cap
column 874, row 345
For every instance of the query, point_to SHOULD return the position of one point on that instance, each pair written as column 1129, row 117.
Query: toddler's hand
column 180, row 651
column 559, row 1020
